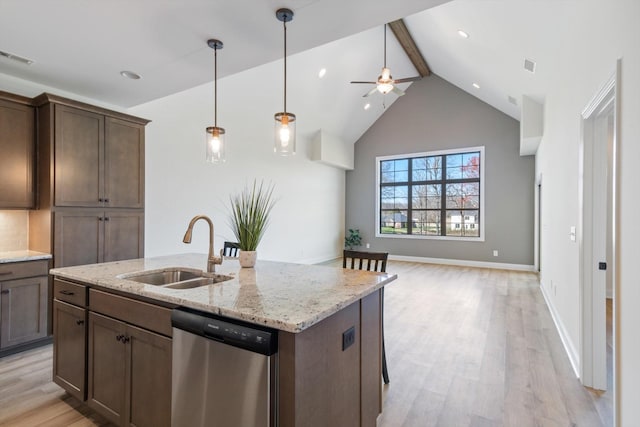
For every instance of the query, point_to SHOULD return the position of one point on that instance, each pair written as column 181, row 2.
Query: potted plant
column 249, row 218
column 353, row 239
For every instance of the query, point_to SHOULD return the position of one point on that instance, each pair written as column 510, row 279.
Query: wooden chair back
column 360, row 260
column 231, row 249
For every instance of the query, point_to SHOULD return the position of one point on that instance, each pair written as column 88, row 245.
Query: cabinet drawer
column 70, row 292
column 18, row 270
column 145, row 315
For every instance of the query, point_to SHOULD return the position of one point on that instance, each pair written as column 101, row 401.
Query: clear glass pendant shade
column 215, row 145
column 285, row 134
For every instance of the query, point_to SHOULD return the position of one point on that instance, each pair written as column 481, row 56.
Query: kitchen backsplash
column 14, row 230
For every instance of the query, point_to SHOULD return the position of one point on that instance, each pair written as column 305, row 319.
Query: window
column 431, row 195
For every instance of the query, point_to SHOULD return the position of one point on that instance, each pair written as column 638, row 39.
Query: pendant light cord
column 215, row 87
column 284, row 24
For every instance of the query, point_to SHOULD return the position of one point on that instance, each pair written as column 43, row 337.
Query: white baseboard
column 464, row 263
column 569, row 348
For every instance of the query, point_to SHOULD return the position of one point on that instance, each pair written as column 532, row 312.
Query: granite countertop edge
column 291, row 317
column 22, row 255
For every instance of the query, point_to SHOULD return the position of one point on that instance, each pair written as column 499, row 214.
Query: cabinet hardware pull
column 106, row 218
column 5, row 291
column 79, row 322
column 126, row 339
column 106, row 200
column 100, row 199
column 66, row 292
column 119, row 337
column 5, row 273
column 100, row 219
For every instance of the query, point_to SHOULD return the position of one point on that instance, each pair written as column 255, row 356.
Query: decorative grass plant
column 250, row 212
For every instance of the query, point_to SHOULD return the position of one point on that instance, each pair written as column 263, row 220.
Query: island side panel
column 371, row 358
column 319, row 382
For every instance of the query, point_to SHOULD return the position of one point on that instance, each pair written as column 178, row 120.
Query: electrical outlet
column 348, row 337
column 495, row 252
column 368, row 245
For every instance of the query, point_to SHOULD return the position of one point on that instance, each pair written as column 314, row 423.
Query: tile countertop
column 284, row 296
column 25, row 255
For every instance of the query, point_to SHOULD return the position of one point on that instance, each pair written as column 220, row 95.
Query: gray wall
column 435, row 115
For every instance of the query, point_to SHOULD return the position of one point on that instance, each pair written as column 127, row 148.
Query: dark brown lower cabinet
column 129, row 371
column 23, row 310
column 69, row 348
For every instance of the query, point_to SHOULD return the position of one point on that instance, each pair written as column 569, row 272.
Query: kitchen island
column 318, row 380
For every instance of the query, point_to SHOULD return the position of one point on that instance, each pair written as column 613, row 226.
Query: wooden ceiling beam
column 409, row 45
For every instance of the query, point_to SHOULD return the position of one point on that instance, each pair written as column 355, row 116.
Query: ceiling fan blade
column 397, row 91
column 371, row 92
column 369, row 83
column 407, row 79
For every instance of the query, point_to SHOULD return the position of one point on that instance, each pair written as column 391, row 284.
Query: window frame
column 410, row 156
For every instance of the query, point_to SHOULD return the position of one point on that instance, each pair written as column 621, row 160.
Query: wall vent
column 16, row 58
column 529, row 65
column 512, row 100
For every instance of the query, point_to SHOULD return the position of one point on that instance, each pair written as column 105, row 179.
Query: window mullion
column 443, row 198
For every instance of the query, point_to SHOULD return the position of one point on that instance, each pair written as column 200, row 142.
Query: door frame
column 593, row 340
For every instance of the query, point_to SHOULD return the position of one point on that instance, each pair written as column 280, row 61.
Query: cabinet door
column 123, row 235
column 17, row 159
column 69, row 348
column 79, row 164
column 77, row 237
column 124, row 164
column 107, row 367
column 23, row 310
column 149, row 379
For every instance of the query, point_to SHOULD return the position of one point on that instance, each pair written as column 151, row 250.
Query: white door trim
column 593, row 334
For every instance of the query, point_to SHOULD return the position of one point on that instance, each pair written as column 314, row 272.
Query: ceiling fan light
column 385, row 88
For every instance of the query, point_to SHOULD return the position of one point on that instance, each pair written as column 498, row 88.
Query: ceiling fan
column 386, row 83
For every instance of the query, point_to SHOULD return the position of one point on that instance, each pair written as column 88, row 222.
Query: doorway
column 597, row 244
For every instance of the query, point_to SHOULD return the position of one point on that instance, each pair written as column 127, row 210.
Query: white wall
column 613, row 33
column 308, row 219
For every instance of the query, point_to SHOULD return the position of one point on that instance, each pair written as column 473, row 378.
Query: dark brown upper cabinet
column 17, row 152
column 99, row 160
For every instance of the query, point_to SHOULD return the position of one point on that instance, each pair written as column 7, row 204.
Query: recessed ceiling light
column 476, row 85
column 367, row 106
column 463, row 34
column 322, row 72
column 130, row 75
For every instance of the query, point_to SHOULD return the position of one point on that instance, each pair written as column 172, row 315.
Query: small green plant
column 250, row 214
column 353, row 239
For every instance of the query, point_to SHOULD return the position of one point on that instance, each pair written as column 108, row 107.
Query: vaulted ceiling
column 82, row 46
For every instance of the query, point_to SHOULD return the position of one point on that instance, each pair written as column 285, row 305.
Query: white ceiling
column 80, row 46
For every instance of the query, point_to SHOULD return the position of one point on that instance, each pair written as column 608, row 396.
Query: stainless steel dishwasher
column 224, row 372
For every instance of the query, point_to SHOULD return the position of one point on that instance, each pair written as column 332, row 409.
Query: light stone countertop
column 24, row 255
column 284, row 296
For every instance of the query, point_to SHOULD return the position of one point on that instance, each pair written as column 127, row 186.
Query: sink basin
column 176, row 278
column 163, row 277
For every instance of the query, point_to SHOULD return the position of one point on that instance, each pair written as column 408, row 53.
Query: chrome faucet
column 212, row 260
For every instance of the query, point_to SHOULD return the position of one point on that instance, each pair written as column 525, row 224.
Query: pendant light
column 285, row 123
column 215, row 134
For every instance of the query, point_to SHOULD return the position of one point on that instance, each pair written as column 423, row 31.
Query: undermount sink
column 176, row 278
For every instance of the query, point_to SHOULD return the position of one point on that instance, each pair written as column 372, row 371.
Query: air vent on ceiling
column 16, row 58
column 529, row 65
column 512, row 100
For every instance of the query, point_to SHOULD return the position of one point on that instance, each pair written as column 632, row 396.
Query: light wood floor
column 465, row 347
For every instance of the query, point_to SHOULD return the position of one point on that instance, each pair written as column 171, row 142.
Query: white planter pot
column 248, row 258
